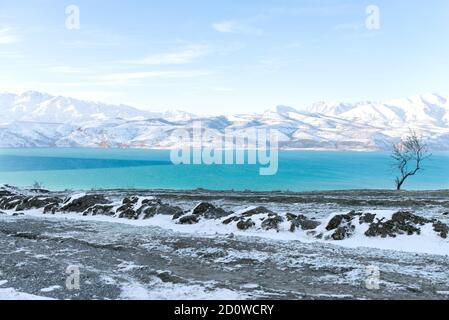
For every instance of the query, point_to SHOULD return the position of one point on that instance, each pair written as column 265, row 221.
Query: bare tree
column 409, row 155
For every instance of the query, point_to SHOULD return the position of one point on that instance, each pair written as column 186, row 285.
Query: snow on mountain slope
column 41, row 107
column 35, row 119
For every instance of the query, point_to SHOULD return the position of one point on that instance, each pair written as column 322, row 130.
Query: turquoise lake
column 85, row 169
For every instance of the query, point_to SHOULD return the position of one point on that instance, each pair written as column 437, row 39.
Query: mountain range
column 35, row 119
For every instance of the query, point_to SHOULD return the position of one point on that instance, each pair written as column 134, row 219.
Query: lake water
column 60, row 169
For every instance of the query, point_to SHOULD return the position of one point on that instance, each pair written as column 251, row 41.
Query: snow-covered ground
column 160, row 258
column 426, row 242
column 12, row 294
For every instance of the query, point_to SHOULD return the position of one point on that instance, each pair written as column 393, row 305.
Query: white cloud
column 124, row 77
column 223, row 89
column 231, row 26
column 348, row 27
column 186, row 55
column 7, row 37
column 66, row 69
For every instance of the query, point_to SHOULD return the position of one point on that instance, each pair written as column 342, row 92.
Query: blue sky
column 225, row 56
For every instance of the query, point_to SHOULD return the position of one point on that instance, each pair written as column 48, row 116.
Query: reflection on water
column 11, row 163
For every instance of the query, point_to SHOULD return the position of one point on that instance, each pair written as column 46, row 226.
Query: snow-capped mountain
column 41, row 107
column 36, row 119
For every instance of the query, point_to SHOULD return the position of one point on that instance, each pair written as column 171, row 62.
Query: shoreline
column 231, row 191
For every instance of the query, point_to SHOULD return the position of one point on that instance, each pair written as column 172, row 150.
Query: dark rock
column 445, row 213
column 189, row 219
column 162, row 209
column 147, row 211
column 272, row 223
column 51, row 208
column 342, row 226
column 202, row 208
column 10, row 202
column 209, row 211
column 231, row 219
column 126, row 211
column 5, row 193
column 302, row 222
column 102, row 210
column 167, row 276
column 179, row 214
column 151, row 202
column 167, row 210
column 343, row 232
column 337, row 220
column 441, row 228
column 83, row 203
column 245, row 224
column 257, row 210
column 367, row 218
column 400, row 223
column 130, row 201
column 37, row 203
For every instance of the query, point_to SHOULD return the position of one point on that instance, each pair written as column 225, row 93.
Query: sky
column 225, row 56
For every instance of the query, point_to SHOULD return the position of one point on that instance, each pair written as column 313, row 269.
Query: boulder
column 127, row 211
column 272, row 223
column 147, row 212
column 441, row 228
column 301, row 221
column 339, row 219
column 399, row 224
column 83, row 203
column 257, row 210
column 342, row 233
column 51, row 208
column 231, row 219
column 168, row 210
column 209, row 211
column 37, row 203
column 341, row 226
column 99, row 209
column 5, row 193
column 179, row 214
column 152, row 201
column 189, row 219
column 10, row 202
column 130, row 201
column 367, row 218
column 245, row 224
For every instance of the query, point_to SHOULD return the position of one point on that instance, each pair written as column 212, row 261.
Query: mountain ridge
column 35, row 119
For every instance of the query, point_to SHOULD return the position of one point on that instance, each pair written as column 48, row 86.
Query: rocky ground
column 42, row 240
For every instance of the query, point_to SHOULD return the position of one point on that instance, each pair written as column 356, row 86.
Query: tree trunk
column 399, row 184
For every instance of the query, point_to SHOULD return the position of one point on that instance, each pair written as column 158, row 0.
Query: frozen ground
column 120, row 259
